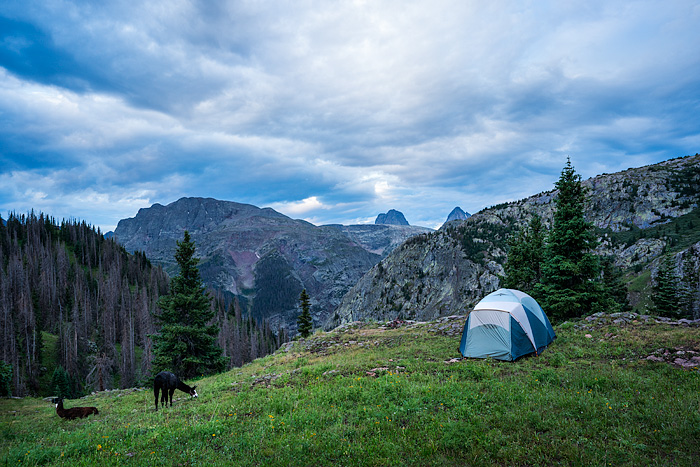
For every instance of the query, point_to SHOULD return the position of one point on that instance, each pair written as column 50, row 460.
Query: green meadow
column 372, row 396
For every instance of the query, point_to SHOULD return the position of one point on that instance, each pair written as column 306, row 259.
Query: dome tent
column 505, row 325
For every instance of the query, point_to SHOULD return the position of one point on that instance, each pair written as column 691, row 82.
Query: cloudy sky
column 335, row 111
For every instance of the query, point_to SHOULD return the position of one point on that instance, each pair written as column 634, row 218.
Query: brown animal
column 74, row 412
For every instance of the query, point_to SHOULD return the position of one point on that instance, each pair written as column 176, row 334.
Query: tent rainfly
column 505, row 325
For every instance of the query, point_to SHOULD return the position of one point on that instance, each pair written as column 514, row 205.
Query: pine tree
column 569, row 287
column 665, row 298
column 5, row 375
column 690, row 278
column 304, row 322
column 186, row 344
column 614, row 295
column 61, row 383
column 523, row 269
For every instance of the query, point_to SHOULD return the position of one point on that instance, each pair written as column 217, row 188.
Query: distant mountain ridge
column 380, row 239
column 261, row 256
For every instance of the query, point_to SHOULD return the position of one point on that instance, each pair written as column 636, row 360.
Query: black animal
column 74, row 412
column 168, row 382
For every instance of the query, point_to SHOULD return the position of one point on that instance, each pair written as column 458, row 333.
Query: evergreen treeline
column 242, row 338
column 676, row 290
column 68, row 280
column 99, row 301
column 276, row 287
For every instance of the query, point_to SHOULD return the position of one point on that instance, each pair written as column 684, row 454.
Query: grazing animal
column 74, row 412
column 168, row 383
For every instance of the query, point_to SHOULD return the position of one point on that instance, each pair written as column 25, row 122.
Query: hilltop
column 392, row 394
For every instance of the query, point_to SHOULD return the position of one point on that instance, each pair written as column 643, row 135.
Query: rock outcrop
column 393, row 217
column 635, row 198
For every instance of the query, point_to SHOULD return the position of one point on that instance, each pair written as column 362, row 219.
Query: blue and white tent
column 505, row 325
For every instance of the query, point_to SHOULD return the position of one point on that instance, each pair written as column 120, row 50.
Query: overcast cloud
column 335, row 111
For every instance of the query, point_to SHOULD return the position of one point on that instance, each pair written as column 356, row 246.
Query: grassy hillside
column 371, row 395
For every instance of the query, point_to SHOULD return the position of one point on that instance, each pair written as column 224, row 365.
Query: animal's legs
column 155, row 393
column 171, row 396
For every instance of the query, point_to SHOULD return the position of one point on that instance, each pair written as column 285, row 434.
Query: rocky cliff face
column 640, row 214
column 427, row 277
column 430, row 275
column 641, row 197
column 259, row 255
column 393, row 217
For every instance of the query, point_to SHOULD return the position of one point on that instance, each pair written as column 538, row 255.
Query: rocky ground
column 683, row 357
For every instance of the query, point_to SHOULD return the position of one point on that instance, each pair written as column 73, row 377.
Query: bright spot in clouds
column 299, row 208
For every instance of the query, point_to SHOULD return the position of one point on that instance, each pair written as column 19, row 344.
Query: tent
column 505, row 325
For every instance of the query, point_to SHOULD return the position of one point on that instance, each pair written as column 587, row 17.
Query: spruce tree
column 690, row 279
column 569, row 287
column 61, row 383
column 614, row 296
column 523, row 269
column 304, row 322
column 186, row 344
column 665, row 298
column 5, row 375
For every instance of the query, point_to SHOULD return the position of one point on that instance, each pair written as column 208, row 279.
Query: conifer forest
column 77, row 311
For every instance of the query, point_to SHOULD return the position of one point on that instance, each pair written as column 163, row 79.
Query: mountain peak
column 261, row 257
column 458, row 214
column 392, row 217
